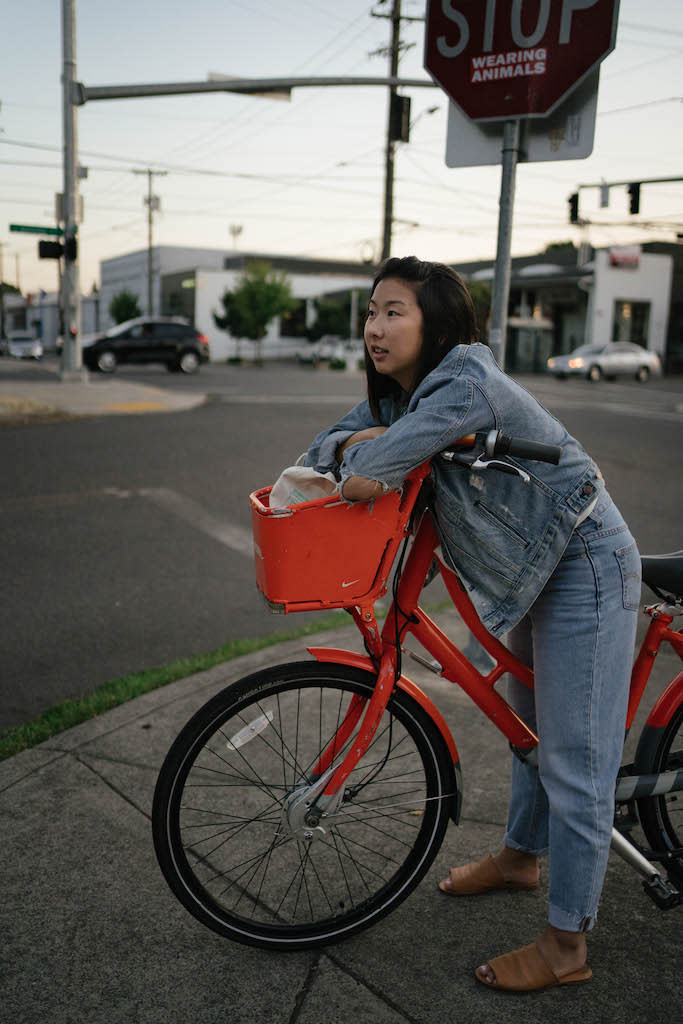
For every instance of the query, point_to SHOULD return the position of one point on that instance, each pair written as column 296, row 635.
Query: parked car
column 611, row 359
column 22, row 345
column 308, row 353
column 168, row 340
column 330, row 346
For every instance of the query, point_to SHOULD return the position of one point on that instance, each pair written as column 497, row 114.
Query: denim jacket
column 503, row 536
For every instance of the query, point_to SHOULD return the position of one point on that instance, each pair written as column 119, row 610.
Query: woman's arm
column 359, row 488
column 360, row 435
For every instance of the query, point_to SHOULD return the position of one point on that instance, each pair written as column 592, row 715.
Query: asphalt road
column 125, row 539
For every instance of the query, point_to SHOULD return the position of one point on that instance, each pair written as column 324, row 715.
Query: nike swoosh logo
column 351, row 583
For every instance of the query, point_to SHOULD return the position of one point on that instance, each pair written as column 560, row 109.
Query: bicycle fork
column 325, row 795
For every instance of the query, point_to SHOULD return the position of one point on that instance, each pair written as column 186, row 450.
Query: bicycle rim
column 226, row 844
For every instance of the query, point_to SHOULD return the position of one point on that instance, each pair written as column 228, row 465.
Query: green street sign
column 31, row 229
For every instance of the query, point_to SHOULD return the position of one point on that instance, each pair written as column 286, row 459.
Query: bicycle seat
column 664, row 571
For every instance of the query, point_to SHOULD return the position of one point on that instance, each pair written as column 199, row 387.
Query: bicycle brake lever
column 503, row 467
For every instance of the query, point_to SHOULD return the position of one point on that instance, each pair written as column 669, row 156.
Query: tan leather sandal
column 526, row 969
column 481, row 876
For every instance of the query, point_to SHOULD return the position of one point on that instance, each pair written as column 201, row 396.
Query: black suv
column 168, row 340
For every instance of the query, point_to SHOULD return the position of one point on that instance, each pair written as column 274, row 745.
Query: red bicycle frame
column 405, row 616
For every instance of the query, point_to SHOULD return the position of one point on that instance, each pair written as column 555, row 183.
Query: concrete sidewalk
column 36, row 391
column 92, row 934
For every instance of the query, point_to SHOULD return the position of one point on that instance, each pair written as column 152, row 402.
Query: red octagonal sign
column 515, row 58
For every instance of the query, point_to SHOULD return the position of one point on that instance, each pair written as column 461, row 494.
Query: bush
column 124, row 306
column 337, row 364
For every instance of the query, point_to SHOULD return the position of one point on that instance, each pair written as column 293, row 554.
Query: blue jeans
column 579, row 637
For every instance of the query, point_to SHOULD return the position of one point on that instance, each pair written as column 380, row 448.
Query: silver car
column 610, row 359
column 22, row 345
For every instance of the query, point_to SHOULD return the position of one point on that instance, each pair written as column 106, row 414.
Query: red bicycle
column 305, row 802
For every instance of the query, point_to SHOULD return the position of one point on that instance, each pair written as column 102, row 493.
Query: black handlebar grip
column 524, row 449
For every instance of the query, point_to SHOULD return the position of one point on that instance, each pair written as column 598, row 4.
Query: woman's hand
column 359, row 488
column 361, row 435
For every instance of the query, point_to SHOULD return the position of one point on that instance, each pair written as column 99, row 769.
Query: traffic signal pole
column 501, row 281
column 71, row 361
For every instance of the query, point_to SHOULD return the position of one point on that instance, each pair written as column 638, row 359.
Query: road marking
column 135, row 406
column 230, row 534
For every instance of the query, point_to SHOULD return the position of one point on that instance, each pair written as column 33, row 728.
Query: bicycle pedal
column 662, row 893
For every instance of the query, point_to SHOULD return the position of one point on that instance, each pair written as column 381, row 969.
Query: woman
column 550, row 563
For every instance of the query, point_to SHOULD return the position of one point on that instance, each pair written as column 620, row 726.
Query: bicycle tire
column 661, row 750
column 217, row 814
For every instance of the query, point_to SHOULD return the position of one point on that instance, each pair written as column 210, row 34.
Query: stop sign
column 515, row 58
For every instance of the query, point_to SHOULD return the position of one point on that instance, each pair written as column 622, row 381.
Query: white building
column 129, row 273
column 207, row 287
column 629, row 297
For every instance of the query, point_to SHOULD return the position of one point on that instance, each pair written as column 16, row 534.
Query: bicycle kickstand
column 658, row 888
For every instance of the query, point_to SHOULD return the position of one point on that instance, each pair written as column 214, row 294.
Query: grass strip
column 72, row 712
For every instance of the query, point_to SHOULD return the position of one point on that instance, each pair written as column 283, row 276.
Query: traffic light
column 399, row 118
column 55, row 250
column 574, row 208
column 50, row 250
column 634, row 197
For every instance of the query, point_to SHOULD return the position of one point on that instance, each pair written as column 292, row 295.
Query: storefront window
column 631, row 320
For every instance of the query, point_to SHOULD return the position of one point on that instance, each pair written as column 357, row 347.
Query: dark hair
column 447, row 318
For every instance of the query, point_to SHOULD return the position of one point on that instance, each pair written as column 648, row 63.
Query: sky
column 306, row 177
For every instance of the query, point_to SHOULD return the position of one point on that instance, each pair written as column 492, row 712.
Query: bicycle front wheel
column 222, row 820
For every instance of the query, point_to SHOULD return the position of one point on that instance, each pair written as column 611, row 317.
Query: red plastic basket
column 326, row 553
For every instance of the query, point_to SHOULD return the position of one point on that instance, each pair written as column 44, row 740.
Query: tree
column 124, row 306
column 333, row 315
column 558, row 248
column 261, row 294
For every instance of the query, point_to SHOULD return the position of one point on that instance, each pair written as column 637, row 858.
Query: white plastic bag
column 301, row 483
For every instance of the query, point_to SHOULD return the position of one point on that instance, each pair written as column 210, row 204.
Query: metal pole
column 2, row 296
column 150, row 310
column 501, row 280
column 71, row 365
column 353, row 316
column 152, row 203
column 389, row 161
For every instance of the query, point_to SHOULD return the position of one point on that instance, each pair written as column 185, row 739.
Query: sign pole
column 501, row 280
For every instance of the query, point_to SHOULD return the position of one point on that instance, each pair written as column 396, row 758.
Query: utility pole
column 389, row 158
column 152, row 203
column 394, row 131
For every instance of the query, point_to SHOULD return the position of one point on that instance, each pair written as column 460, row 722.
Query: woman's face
column 393, row 331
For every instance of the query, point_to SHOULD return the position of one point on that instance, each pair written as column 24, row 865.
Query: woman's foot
column 509, row 869
column 556, row 958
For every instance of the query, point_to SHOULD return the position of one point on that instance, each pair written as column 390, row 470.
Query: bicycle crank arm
column 658, row 888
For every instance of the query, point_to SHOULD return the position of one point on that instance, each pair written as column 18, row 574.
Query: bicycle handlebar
column 498, row 443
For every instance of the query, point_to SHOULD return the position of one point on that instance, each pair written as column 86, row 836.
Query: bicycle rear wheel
column 661, row 750
column 221, row 830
